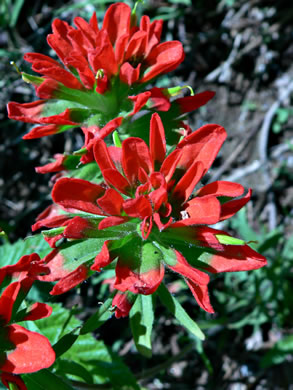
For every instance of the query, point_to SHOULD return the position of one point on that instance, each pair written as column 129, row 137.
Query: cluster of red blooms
column 149, row 213
column 22, row 351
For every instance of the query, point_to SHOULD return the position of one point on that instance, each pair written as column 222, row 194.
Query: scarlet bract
column 149, row 209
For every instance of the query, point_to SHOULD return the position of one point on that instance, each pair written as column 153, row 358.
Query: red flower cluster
column 99, row 67
column 22, row 351
column 158, row 192
column 150, row 214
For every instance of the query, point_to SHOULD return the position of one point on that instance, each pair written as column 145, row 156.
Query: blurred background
column 242, row 50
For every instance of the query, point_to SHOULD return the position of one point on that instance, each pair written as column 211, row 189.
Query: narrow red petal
column 187, row 183
column 120, row 48
column 202, row 145
column 129, row 74
column 26, row 112
column 42, row 131
column 201, row 294
column 7, row 301
column 139, row 101
column 183, row 268
column 235, row 258
column 115, row 179
column 75, row 60
column 111, row 202
column 110, row 127
column 159, row 101
column 112, row 221
column 170, row 163
column 71, row 280
column 157, row 140
column 50, row 68
column 121, row 304
column 77, row 228
column 55, row 263
column 200, row 211
column 51, row 217
column 55, row 166
column 35, row 57
column 146, row 227
column 102, row 155
column 221, row 188
column 103, row 56
column 78, row 194
column 37, row 311
column 117, row 21
column 190, row 103
column 102, row 259
column 165, row 57
column 230, row 208
column 138, row 208
column 135, row 155
column 86, row 28
column 158, row 197
column 136, row 46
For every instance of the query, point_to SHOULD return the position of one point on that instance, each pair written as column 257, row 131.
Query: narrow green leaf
column 30, row 79
column 98, row 318
column 227, row 240
column 13, row 386
column 75, row 369
column 141, row 322
column 116, row 139
column 45, row 380
column 178, row 311
column 15, row 12
column 64, row 344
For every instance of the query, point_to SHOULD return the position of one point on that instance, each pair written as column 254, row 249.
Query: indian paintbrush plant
column 141, row 211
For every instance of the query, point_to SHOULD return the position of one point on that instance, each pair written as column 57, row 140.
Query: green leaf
column 11, row 253
column 56, row 107
column 168, row 253
column 178, row 311
column 75, row 369
column 141, row 322
column 64, row 344
column 270, row 241
column 45, row 380
column 139, row 255
column 98, row 318
column 80, row 251
column 15, row 12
